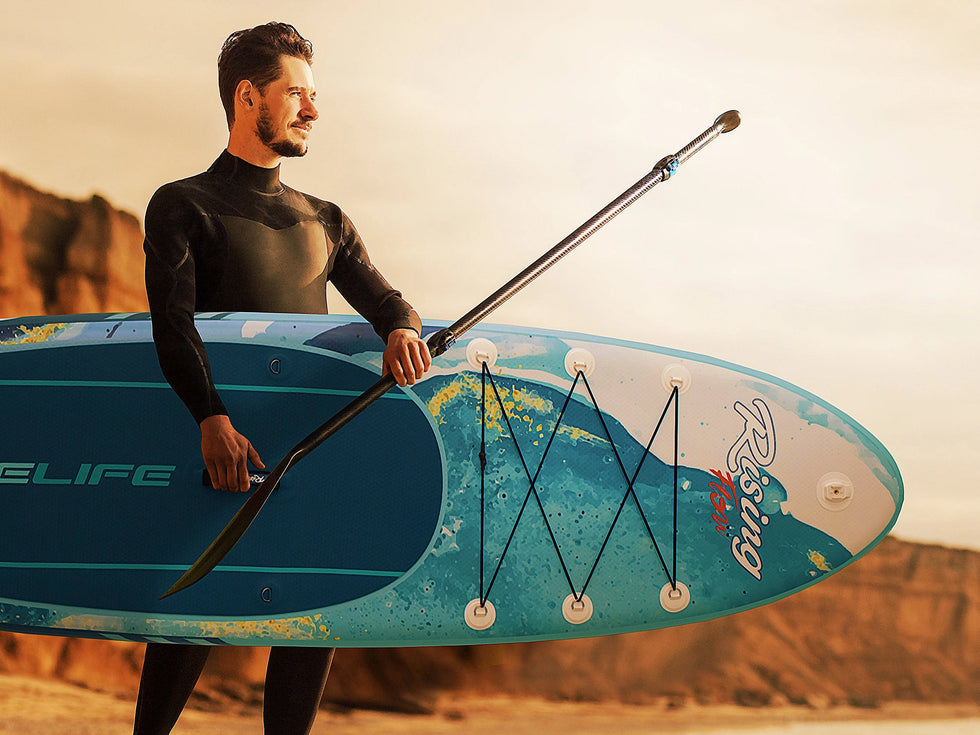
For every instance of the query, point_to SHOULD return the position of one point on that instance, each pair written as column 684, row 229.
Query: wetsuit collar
column 265, row 180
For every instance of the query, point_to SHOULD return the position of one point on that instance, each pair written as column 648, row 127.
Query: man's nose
column 309, row 110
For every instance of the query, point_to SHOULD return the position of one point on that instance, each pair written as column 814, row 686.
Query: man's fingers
column 221, row 481
column 253, row 457
column 214, row 475
column 394, row 367
column 227, row 455
column 406, row 357
column 421, row 359
column 229, row 476
column 412, row 365
column 415, row 361
column 241, row 477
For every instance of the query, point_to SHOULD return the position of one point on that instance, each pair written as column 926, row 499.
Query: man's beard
column 267, row 135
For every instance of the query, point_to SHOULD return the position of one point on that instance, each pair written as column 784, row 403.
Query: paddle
column 439, row 343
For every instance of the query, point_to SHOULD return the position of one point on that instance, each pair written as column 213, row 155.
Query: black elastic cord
column 675, row 396
column 531, row 489
column 630, row 482
column 483, row 474
column 631, row 492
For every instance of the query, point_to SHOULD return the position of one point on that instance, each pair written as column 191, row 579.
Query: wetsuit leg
column 170, row 672
column 294, row 683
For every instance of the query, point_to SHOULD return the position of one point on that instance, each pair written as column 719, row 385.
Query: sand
column 30, row 706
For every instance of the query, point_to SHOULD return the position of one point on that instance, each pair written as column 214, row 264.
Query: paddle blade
column 236, row 528
column 229, row 536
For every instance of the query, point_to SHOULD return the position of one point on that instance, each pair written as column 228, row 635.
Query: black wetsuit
column 235, row 239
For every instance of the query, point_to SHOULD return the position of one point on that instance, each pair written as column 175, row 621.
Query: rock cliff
column 901, row 624
column 61, row 256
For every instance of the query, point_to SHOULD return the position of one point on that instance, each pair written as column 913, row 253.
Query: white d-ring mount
column 480, row 615
column 677, row 376
column 577, row 610
column 578, row 360
column 675, row 597
column 480, row 351
column 835, row 491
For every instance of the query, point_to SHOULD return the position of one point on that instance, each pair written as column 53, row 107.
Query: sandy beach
column 30, row 706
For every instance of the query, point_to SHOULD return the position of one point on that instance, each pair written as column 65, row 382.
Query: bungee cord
column 531, row 490
column 669, row 572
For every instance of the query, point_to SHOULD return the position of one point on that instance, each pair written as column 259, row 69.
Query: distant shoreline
column 696, row 717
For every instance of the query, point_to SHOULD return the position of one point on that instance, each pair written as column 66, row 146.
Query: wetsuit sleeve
column 366, row 289
column 171, row 223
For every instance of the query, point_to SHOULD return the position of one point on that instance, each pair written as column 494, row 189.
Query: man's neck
column 257, row 178
column 251, row 150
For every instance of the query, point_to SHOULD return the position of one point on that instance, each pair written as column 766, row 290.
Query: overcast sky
column 831, row 240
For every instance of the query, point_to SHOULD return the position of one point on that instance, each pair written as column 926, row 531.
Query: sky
column 830, row 240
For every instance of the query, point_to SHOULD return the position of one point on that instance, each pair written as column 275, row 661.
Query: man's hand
column 227, row 454
column 406, row 357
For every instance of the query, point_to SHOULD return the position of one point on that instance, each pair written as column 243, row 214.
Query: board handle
column 254, row 479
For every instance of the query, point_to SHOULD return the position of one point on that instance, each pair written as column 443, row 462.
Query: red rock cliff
column 60, row 256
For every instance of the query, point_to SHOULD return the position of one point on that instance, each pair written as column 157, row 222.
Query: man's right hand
column 227, row 454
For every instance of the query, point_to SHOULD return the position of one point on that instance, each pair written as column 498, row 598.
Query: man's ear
column 244, row 94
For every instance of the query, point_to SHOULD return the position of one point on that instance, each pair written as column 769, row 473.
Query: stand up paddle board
column 536, row 485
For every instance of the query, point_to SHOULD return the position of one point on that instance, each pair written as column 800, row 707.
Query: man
column 235, row 239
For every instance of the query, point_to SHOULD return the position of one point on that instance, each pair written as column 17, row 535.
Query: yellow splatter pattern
column 519, row 403
column 35, row 335
column 819, row 560
column 460, row 385
column 304, row 627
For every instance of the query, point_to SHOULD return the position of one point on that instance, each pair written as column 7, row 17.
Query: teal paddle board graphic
column 536, row 485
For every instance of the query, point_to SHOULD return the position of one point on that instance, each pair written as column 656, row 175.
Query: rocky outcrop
column 62, row 256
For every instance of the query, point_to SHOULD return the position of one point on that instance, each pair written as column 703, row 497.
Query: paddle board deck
column 536, row 485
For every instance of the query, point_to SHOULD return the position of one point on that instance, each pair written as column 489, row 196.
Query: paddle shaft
column 439, row 343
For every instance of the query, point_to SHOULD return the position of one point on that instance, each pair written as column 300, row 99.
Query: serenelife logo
column 86, row 473
column 754, row 450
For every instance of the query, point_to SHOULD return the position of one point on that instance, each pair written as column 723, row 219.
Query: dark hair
column 254, row 54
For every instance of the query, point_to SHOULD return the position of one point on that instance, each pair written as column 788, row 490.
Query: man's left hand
column 406, row 357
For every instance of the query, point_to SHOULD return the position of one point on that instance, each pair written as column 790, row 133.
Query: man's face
column 287, row 109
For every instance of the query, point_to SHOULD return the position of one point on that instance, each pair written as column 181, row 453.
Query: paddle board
column 536, row 485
